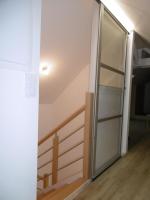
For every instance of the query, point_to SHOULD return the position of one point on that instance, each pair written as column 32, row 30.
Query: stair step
column 41, row 196
column 63, row 192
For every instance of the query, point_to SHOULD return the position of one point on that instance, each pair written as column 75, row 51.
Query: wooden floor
column 127, row 179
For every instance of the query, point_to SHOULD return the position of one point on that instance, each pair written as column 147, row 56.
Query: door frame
column 127, row 95
column 95, row 54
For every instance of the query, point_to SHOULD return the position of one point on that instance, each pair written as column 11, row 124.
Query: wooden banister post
column 45, row 181
column 87, row 136
column 55, row 160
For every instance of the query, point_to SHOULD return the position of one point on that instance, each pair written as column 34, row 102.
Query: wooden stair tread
column 40, row 197
column 63, row 192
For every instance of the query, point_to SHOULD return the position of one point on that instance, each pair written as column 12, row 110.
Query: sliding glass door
column 110, row 93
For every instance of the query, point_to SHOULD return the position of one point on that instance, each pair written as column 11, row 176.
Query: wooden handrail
column 64, row 123
column 87, row 128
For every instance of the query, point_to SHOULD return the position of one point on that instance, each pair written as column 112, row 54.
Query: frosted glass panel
column 113, row 43
column 107, row 143
column 110, row 93
column 110, row 102
column 109, row 78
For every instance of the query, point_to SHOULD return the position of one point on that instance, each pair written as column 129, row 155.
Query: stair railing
column 87, row 110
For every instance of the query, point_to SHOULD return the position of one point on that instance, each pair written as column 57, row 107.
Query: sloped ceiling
column 139, row 12
column 66, row 35
column 65, row 41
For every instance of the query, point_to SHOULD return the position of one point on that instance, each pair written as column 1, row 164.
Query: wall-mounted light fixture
column 45, row 68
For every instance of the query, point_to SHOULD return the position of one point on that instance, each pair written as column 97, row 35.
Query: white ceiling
column 139, row 13
column 65, row 41
column 66, row 34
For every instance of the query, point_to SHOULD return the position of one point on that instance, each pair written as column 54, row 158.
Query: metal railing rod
column 45, row 151
column 68, row 150
column 45, row 164
column 72, row 133
column 70, row 163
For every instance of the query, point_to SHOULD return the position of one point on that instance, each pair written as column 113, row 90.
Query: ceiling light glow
column 118, row 12
column 46, row 68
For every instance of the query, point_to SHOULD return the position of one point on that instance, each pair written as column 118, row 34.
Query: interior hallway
column 127, row 179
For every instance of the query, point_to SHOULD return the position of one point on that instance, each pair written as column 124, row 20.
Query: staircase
column 64, row 154
column 63, row 192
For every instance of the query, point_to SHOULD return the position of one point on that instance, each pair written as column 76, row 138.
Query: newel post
column 55, row 160
column 87, row 135
column 46, row 181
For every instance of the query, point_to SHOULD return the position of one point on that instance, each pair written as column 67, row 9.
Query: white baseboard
column 78, row 191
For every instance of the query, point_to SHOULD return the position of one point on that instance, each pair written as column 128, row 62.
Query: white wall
column 46, row 119
column 51, row 115
column 19, row 60
column 72, row 97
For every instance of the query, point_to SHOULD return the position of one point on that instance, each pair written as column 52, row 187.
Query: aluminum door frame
column 102, row 9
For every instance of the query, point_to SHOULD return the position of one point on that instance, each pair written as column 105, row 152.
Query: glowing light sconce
column 45, row 69
column 118, row 12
